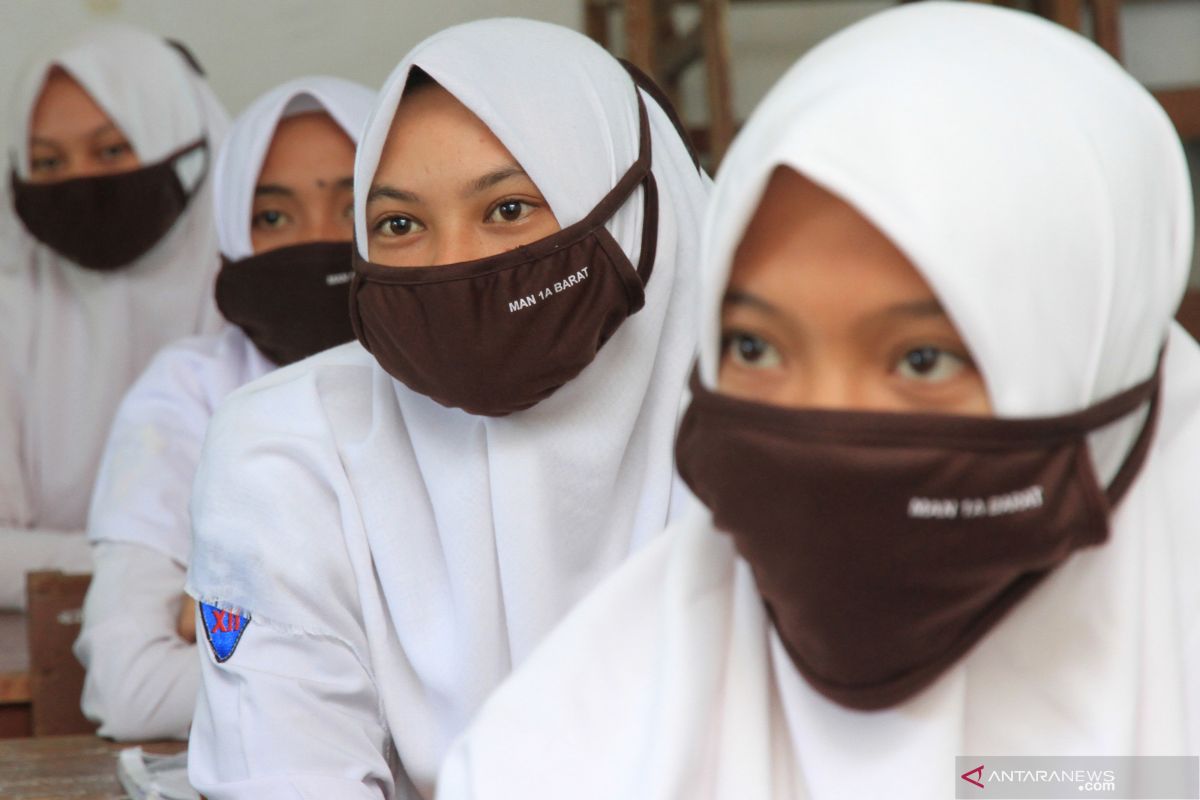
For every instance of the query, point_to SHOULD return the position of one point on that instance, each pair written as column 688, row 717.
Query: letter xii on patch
column 223, row 630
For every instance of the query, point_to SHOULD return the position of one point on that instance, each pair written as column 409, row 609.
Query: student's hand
column 187, row 620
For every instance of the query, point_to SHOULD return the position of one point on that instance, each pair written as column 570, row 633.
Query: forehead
column 802, row 237
column 309, row 142
column 432, row 124
column 64, row 108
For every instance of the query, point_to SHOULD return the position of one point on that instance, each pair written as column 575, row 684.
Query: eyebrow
column 105, row 128
column 736, row 297
column 480, row 184
column 492, row 178
column 916, row 308
column 93, row 134
column 279, row 190
column 264, row 189
column 386, row 192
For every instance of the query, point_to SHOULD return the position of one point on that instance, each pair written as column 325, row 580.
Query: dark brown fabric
column 647, row 85
column 291, row 302
column 886, row 545
column 1189, row 313
column 55, row 612
column 500, row 334
column 105, row 222
column 188, row 56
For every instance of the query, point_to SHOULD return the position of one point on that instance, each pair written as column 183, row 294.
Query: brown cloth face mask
column 291, row 302
column 886, row 545
column 500, row 334
column 105, row 222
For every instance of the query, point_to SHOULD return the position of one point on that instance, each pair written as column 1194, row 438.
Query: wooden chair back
column 55, row 608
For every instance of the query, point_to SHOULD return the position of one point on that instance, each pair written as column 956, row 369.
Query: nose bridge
column 826, row 384
column 80, row 162
column 328, row 227
column 455, row 242
column 83, row 161
column 313, row 220
column 831, row 379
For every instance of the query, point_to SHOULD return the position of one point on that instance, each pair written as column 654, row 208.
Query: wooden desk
column 79, row 767
column 15, row 697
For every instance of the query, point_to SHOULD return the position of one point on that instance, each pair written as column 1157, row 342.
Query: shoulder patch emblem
column 223, row 629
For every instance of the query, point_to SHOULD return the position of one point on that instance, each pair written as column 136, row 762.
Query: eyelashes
column 930, row 364
column 269, row 219
column 397, row 225
column 508, row 211
column 750, row 351
column 927, row 364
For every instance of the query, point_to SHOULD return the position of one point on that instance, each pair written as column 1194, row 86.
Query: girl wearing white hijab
column 74, row 336
column 282, row 203
column 873, row 594
column 371, row 562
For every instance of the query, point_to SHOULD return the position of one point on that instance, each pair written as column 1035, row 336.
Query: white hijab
column 463, row 539
column 1044, row 196
column 73, row 339
column 142, row 489
column 241, row 158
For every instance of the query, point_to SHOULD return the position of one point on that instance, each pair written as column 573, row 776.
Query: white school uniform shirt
column 142, row 677
column 396, row 558
column 72, row 340
column 1044, row 196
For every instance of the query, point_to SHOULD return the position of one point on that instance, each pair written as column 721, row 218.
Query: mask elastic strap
column 649, row 247
column 647, row 85
column 188, row 56
column 649, row 232
column 639, row 173
column 1132, row 465
column 201, row 143
column 185, row 149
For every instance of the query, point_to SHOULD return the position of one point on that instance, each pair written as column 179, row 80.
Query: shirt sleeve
column 145, row 477
column 33, row 549
column 287, row 715
column 142, row 676
column 289, row 707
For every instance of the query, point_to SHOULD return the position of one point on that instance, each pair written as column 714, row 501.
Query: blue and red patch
column 224, row 630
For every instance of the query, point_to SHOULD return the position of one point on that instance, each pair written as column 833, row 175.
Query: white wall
column 1162, row 39
column 247, row 46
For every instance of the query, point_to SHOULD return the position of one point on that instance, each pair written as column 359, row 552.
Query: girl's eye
column 114, row 151
column 348, row 211
column 47, row 164
column 270, row 219
column 748, row 350
column 930, row 364
column 510, row 211
column 398, row 225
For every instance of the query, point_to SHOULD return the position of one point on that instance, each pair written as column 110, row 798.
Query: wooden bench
column 16, row 717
